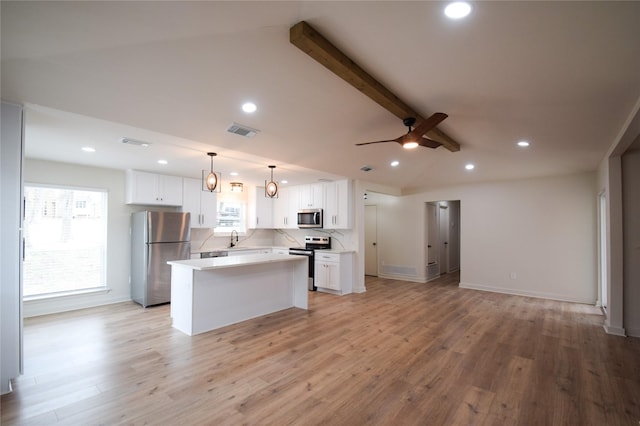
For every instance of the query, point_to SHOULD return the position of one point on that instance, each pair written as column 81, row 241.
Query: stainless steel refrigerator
column 156, row 237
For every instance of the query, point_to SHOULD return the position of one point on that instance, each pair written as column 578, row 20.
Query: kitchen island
column 211, row 293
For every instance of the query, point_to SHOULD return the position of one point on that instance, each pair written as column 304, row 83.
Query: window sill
column 62, row 294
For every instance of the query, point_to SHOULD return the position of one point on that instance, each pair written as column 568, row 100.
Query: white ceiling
column 563, row 75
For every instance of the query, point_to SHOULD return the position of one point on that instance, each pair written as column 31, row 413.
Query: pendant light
column 271, row 187
column 210, row 182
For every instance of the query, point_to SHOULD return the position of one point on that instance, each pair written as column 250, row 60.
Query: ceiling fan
column 415, row 138
column 314, row 44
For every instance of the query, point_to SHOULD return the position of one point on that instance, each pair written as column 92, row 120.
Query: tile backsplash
column 205, row 239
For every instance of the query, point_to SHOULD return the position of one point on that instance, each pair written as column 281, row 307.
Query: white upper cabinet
column 260, row 209
column 153, row 189
column 338, row 205
column 201, row 204
column 311, row 196
column 285, row 209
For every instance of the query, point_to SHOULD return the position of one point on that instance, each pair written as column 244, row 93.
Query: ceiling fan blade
column 429, row 143
column 369, row 143
column 428, row 124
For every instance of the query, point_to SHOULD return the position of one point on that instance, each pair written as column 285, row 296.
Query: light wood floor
column 400, row 354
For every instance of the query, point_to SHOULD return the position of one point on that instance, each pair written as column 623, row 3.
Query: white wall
column 543, row 230
column 11, row 245
column 610, row 184
column 631, row 241
column 118, row 243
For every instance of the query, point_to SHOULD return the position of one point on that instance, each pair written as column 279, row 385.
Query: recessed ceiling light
column 457, row 10
column 469, row 166
column 163, row 162
column 234, row 173
column 249, row 107
column 523, row 143
column 395, row 163
column 88, row 149
column 284, row 181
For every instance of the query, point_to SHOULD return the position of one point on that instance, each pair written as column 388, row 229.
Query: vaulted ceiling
column 562, row 75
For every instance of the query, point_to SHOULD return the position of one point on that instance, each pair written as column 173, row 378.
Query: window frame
column 232, row 197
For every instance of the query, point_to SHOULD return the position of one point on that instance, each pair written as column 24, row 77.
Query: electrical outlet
column 513, row 275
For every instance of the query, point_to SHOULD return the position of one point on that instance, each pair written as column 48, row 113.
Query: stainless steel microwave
column 310, row 218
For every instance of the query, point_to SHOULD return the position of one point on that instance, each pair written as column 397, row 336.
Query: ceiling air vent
column 241, row 130
column 366, row 168
column 135, row 142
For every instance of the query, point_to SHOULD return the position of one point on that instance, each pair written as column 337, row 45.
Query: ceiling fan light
column 410, row 145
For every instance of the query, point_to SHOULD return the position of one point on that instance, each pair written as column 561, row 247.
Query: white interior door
column 371, row 240
column 444, row 239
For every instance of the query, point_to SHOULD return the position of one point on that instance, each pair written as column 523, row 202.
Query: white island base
column 211, row 293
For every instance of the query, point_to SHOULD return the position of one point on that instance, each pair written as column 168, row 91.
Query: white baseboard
column 528, row 293
column 399, row 277
column 616, row 331
column 632, row 332
column 34, row 308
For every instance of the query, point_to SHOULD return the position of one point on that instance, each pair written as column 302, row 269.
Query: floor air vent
column 241, row 130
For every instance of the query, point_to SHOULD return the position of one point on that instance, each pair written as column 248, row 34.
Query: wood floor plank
column 399, row 354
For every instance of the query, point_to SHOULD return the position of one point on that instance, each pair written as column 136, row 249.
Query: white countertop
column 235, row 261
column 337, row 251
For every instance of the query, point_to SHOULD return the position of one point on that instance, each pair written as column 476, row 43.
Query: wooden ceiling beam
column 310, row 41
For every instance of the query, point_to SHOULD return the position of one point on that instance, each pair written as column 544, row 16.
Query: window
column 231, row 213
column 65, row 239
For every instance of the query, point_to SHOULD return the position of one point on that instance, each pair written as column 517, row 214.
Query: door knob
column 374, row 244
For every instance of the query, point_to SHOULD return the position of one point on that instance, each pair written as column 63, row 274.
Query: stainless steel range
column 311, row 244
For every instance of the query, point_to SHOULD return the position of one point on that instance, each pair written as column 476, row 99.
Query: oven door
column 309, row 254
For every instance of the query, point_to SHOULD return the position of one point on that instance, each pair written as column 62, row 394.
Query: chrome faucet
column 233, row 243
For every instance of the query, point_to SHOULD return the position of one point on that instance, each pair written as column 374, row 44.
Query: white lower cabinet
column 333, row 272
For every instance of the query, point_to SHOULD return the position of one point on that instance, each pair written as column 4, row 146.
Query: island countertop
column 211, row 293
column 234, row 261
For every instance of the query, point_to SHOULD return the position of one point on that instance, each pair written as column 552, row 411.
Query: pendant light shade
column 211, row 182
column 271, row 187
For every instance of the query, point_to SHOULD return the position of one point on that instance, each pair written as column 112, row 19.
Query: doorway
column 442, row 238
column 370, row 240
